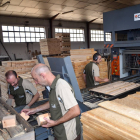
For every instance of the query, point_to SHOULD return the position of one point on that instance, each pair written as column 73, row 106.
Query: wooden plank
column 119, row 134
column 121, row 109
column 108, row 133
column 26, row 117
column 9, row 121
column 121, row 122
column 40, row 119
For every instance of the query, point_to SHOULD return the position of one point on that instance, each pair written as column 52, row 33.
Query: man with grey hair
column 63, row 106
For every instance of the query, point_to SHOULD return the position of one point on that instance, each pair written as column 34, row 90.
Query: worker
column 21, row 90
column 63, row 106
column 91, row 72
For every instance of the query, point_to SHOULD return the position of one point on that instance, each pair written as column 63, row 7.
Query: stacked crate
column 78, row 67
column 50, row 46
column 64, row 39
column 22, row 68
column 103, row 69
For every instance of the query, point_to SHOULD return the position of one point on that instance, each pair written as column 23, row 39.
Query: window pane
column 71, row 39
column 32, row 29
column 82, row 39
column 60, row 30
column 64, row 31
column 5, row 33
column 32, row 39
column 28, row 39
column 27, row 34
column 75, row 39
column 41, row 29
column 12, row 39
column 16, row 28
column 17, row 39
column 42, row 35
column 56, row 30
column 71, row 35
column 21, row 28
column 27, row 29
column 32, row 34
column 71, row 30
column 74, row 35
column 17, row 34
column 23, row 40
column 10, row 28
column 67, row 30
column 74, row 30
column 11, row 34
column 22, row 34
column 5, row 39
column 4, row 28
column 37, row 35
column 37, row 29
column 37, row 39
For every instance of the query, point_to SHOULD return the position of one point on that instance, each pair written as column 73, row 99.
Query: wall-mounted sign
column 137, row 17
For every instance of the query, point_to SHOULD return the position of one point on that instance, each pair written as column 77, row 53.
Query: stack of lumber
column 64, row 40
column 39, row 88
column 78, row 67
column 112, row 121
column 20, row 67
column 116, row 88
column 103, row 69
column 50, row 46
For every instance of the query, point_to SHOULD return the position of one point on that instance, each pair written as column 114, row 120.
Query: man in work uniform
column 91, row 72
column 21, row 90
column 63, row 106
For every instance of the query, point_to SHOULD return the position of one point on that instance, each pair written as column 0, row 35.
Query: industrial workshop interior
column 69, row 69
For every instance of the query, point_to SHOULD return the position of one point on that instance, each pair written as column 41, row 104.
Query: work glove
column 9, row 102
column 26, row 107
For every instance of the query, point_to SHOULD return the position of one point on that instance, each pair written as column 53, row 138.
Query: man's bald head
column 40, row 68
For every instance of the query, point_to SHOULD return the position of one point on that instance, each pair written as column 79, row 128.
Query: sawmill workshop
column 69, row 69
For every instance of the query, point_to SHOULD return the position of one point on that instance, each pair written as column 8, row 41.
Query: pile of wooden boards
column 50, row 46
column 116, row 88
column 64, row 39
column 80, row 58
column 39, row 88
column 103, row 69
column 113, row 120
column 20, row 67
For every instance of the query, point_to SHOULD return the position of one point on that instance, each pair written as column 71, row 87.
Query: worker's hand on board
column 29, row 111
column 49, row 123
column 106, row 80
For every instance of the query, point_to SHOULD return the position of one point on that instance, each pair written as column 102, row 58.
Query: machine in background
column 125, row 43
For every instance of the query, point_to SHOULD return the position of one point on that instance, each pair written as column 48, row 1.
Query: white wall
column 20, row 49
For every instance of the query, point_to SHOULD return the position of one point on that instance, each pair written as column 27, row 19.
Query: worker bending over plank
column 21, row 90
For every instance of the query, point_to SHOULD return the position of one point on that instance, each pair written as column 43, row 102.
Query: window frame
column 76, row 34
column 23, row 31
column 98, row 36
